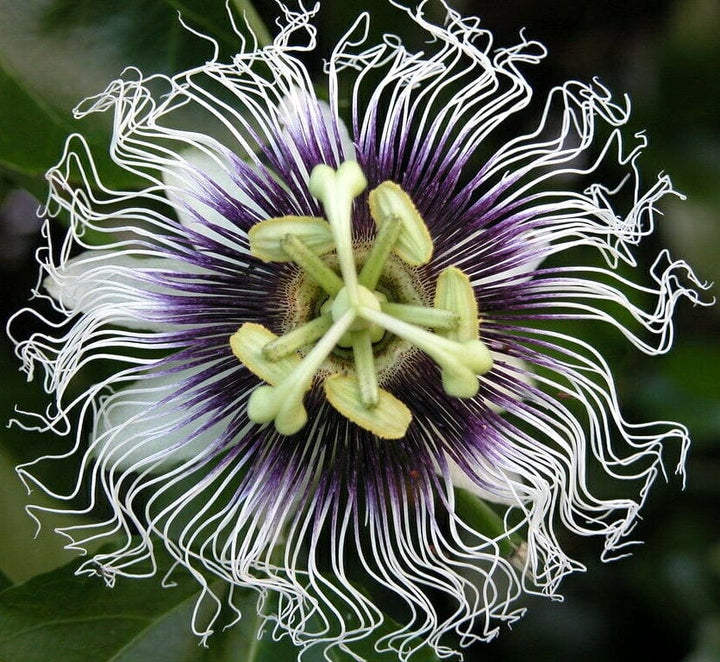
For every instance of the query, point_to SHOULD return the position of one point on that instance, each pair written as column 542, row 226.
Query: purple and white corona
column 322, row 325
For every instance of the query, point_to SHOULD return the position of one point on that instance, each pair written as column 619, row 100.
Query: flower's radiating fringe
column 166, row 440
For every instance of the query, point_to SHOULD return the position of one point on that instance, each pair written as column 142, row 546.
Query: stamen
column 355, row 314
column 283, row 403
column 248, row 344
column 266, row 237
column 460, row 361
column 414, row 244
column 435, row 318
column 383, row 245
column 311, row 264
column 297, row 338
column 365, row 368
column 388, row 419
column 454, row 292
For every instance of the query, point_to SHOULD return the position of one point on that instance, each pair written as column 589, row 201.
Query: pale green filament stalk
column 311, row 264
column 435, row 318
column 355, row 315
column 297, row 338
column 461, row 362
column 283, row 403
column 342, row 303
column 383, row 245
column 389, row 201
column 365, row 368
column 454, row 292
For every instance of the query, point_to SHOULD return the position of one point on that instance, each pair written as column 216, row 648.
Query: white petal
column 113, row 285
column 291, row 115
column 205, row 176
column 518, row 370
column 461, row 479
column 348, row 147
column 502, row 495
column 531, row 241
column 134, row 430
column 525, row 271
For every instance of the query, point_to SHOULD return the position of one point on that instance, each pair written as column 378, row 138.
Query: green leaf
column 55, row 53
column 21, row 119
column 59, row 616
column 78, row 619
column 5, row 581
column 240, row 642
column 67, row 618
column 23, row 550
column 478, row 514
column 34, row 133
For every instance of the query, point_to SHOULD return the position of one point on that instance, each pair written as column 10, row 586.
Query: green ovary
column 355, row 317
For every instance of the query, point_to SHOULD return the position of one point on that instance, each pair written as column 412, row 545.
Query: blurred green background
column 664, row 53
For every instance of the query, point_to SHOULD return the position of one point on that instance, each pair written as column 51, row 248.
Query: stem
column 482, row 517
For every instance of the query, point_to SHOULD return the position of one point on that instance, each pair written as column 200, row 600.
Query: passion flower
column 320, row 336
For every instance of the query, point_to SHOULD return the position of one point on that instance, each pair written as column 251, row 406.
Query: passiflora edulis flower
column 324, row 335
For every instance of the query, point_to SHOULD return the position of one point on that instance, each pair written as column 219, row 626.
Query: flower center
column 355, row 315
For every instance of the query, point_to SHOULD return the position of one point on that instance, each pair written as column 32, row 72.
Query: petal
column 530, row 261
column 146, row 426
column 198, row 180
column 116, row 286
column 204, row 178
column 346, row 142
column 300, row 111
column 461, row 479
column 516, row 370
